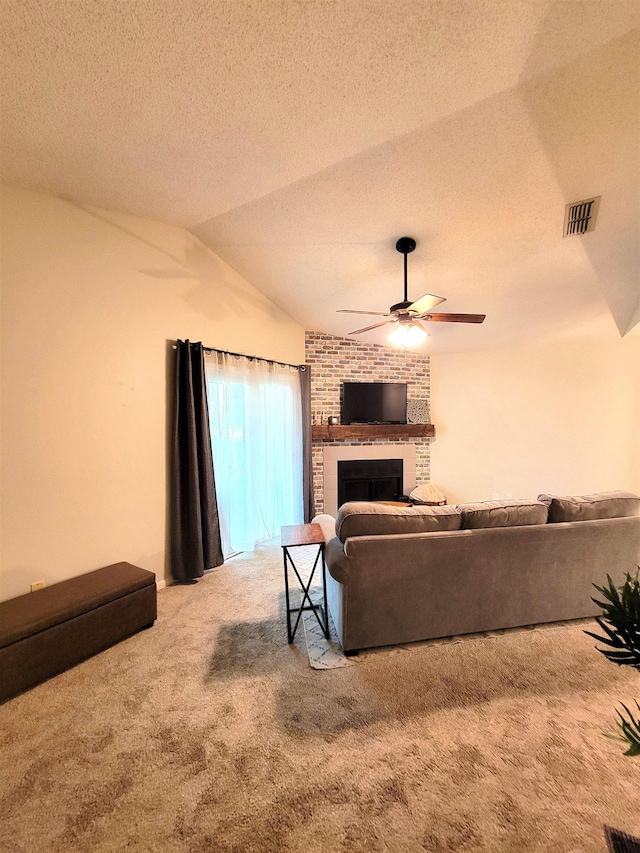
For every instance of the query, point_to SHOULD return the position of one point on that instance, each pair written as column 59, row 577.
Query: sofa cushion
column 363, row 518
column 591, row 507
column 512, row 513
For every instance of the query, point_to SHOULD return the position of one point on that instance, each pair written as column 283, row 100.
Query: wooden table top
column 301, row 534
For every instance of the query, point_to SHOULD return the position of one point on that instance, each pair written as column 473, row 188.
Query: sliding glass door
column 256, row 436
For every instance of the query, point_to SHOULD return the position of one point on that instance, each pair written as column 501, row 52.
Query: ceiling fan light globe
column 407, row 335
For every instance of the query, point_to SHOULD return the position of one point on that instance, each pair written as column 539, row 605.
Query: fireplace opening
column 369, row 480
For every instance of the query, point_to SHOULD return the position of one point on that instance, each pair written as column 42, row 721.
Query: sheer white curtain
column 256, row 436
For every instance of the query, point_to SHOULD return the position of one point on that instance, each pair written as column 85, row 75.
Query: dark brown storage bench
column 47, row 631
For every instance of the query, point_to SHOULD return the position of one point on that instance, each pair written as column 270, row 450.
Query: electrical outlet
column 37, row 585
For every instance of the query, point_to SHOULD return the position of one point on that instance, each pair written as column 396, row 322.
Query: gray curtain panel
column 195, row 528
column 307, row 464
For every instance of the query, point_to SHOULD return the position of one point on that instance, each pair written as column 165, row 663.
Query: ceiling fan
column 410, row 331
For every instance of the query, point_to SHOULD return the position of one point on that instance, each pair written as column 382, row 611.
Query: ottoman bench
column 45, row 632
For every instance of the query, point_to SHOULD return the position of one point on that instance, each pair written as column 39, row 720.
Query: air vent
column 580, row 216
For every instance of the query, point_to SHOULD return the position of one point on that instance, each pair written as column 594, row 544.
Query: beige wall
column 564, row 418
column 89, row 300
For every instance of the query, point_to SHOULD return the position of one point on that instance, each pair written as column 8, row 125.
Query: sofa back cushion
column 591, row 507
column 363, row 518
column 502, row 514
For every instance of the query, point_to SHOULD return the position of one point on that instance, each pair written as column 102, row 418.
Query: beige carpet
column 209, row 733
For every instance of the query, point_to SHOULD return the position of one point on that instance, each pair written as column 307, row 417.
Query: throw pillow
column 427, row 494
column 327, row 523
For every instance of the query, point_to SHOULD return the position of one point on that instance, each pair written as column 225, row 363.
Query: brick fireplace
column 334, row 360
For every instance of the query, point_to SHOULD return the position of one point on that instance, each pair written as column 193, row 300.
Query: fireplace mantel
column 328, row 432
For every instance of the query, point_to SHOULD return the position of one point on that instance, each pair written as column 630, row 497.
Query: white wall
column 90, row 299
column 564, row 418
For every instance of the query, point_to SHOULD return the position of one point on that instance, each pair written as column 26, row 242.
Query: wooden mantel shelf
column 326, row 432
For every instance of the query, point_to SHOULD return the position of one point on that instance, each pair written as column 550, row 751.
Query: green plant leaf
column 620, row 621
column 630, row 728
column 620, row 624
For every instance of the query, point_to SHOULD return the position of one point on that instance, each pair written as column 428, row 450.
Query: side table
column 292, row 536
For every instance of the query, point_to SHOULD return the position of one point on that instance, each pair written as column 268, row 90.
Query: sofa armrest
column 336, row 560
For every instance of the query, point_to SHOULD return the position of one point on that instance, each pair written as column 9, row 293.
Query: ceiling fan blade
column 426, row 303
column 367, row 328
column 453, row 318
column 350, row 311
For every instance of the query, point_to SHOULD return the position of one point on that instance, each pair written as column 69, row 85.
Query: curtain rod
column 252, row 357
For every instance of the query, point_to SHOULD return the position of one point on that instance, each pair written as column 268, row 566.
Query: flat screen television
column 374, row 402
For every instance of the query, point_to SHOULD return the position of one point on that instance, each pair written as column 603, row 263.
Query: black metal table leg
column 324, row 594
column 307, row 534
column 286, row 592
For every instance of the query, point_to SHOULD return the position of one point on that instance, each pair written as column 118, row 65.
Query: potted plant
column 620, row 622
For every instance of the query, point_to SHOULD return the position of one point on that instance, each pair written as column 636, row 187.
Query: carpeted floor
column 209, row 733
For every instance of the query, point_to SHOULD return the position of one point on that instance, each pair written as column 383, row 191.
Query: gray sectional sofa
column 398, row 574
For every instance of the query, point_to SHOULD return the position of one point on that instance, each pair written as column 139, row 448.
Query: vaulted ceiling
column 299, row 140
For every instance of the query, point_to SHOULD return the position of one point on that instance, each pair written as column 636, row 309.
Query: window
column 256, row 436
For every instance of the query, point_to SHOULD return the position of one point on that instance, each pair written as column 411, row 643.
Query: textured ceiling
column 300, row 139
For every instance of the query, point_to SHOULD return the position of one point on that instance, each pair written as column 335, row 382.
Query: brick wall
column 335, row 360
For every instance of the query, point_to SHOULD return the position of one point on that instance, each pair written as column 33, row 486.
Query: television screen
column 374, row 402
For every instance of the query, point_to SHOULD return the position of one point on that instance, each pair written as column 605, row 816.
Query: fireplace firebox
column 369, row 480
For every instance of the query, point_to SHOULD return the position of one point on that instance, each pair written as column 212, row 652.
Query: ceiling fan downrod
column 405, row 245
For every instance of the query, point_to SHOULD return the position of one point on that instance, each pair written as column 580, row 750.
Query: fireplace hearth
column 369, row 480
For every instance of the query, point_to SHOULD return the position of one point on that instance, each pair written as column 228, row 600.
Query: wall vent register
column 580, row 217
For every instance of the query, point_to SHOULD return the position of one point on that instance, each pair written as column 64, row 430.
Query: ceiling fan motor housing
column 405, row 245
